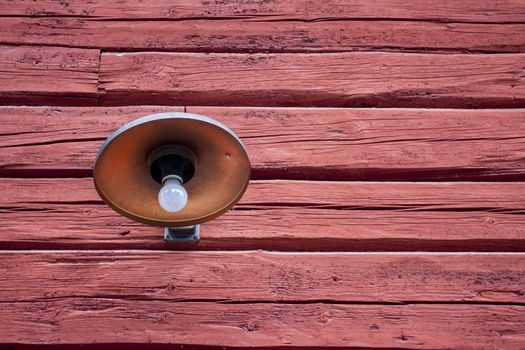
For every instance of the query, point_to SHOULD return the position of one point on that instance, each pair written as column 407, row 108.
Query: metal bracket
column 182, row 234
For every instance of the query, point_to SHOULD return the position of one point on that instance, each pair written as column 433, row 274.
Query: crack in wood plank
column 291, row 143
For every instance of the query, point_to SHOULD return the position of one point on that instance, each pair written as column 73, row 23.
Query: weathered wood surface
column 291, row 299
column 54, row 141
column 42, row 75
column 417, row 80
column 273, row 277
column 280, row 215
column 291, row 143
column 89, row 321
column 486, row 11
column 453, row 54
column 262, row 34
column 356, row 79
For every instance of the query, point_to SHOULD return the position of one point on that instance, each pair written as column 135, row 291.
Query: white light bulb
column 173, row 196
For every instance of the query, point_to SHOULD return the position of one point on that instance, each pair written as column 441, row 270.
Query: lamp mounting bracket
column 182, row 234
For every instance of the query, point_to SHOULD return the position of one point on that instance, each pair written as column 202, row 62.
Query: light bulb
column 173, row 196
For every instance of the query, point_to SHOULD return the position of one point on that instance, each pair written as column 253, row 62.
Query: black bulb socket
column 172, row 160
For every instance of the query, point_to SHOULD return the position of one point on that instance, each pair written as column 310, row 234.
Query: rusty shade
column 122, row 171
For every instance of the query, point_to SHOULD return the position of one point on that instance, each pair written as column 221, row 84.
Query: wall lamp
column 174, row 170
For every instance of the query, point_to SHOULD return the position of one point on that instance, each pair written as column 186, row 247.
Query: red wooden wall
column 387, row 205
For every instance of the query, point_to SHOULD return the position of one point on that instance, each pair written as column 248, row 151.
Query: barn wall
column 386, row 206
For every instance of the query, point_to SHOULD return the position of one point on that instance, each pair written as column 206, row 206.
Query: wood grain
column 280, row 215
column 262, row 34
column 403, row 264
column 89, row 321
column 356, row 79
column 274, row 277
column 48, row 75
column 291, row 143
column 56, row 141
column 502, row 11
column 296, row 300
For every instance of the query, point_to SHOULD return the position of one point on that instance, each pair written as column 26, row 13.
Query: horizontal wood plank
column 356, row 79
column 99, row 321
column 56, row 141
column 262, row 35
column 273, row 277
column 291, row 143
column 48, row 75
column 463, row 11
column 115, row 297
column 280, row 215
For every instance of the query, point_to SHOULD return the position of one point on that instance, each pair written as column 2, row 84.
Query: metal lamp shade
column 122, row 174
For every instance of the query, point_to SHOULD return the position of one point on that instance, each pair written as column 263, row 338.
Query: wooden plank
column 462, row 11
column 375, row 144
column 262, row 35
column 337, row 80
column 319, row 326
column 280, row 215
column 291, row 143
column 34, row 139
column 48, row 75
column 115, row 297
column 274, row 277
